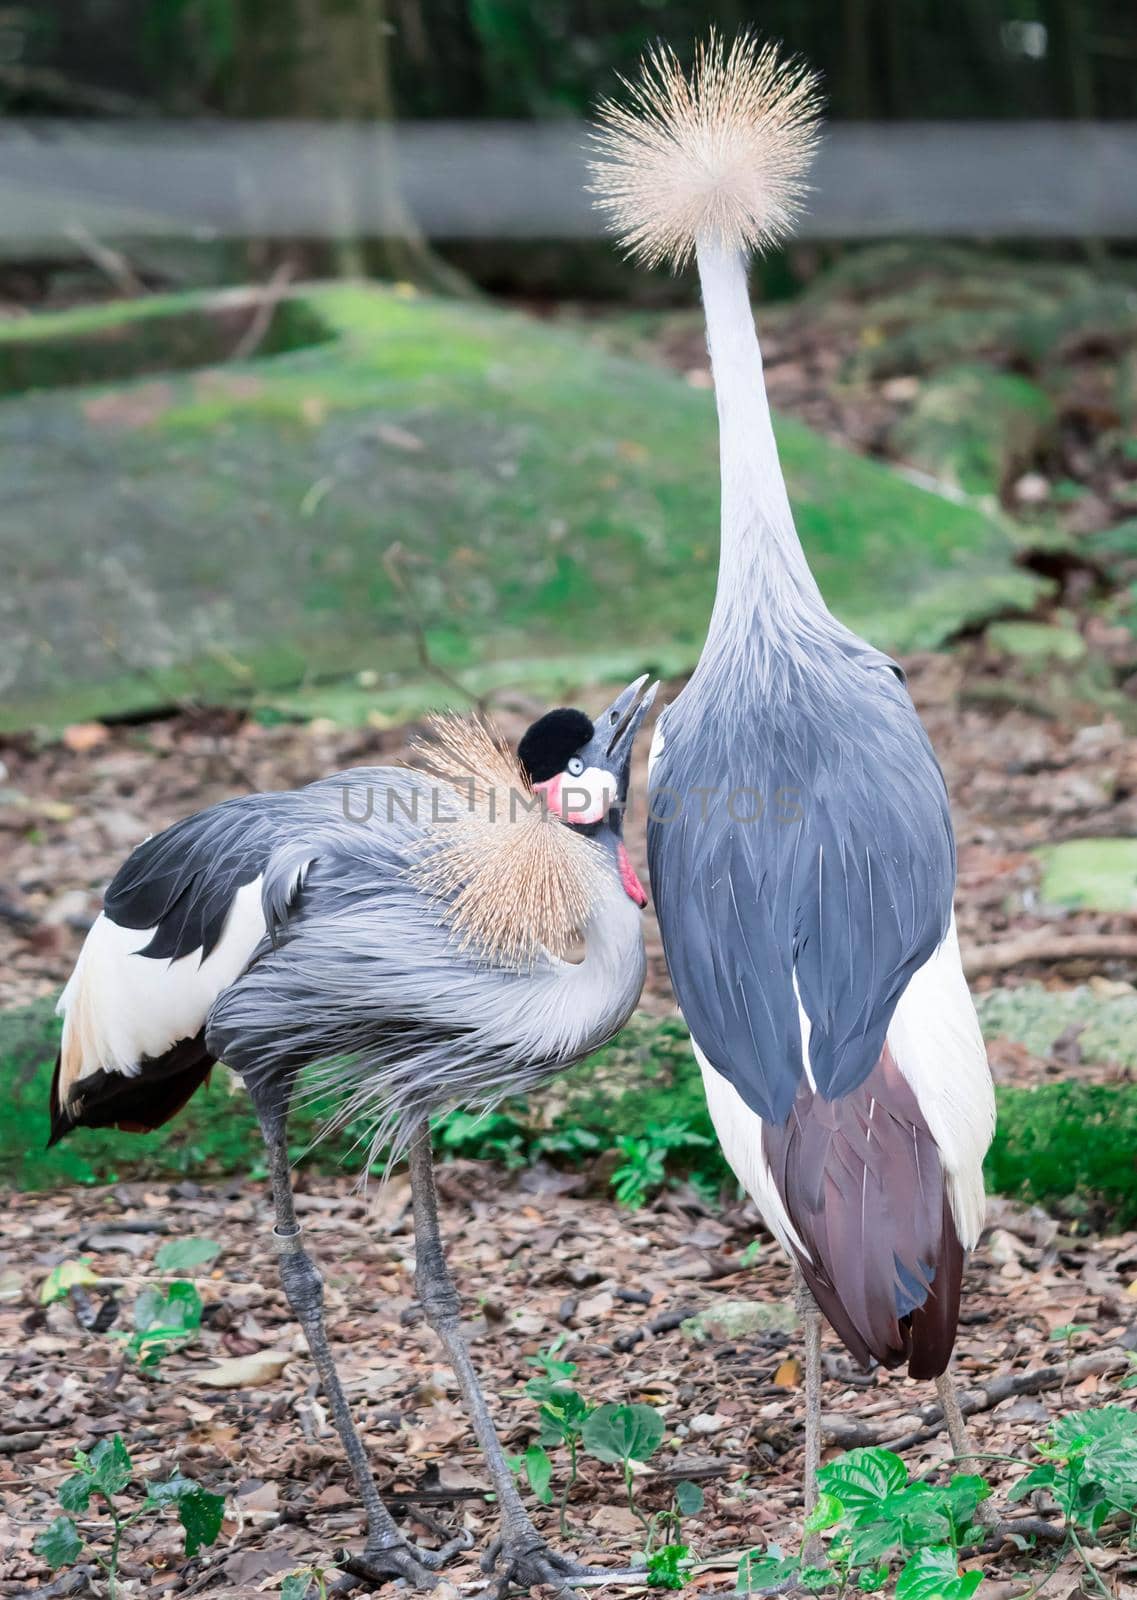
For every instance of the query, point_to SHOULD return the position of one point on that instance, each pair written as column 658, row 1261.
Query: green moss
column 975, row 428
column 1035, row 643
column 545, row 498
column 1096, row 873
column 100, row 345
column 1071, row 1146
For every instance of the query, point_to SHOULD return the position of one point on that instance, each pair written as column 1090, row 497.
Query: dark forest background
column 546, row 58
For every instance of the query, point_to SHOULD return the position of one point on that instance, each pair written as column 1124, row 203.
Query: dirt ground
column 535, row 1258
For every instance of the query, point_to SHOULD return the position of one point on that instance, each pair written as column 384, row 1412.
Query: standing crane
column 802, row 863
column 408, row 933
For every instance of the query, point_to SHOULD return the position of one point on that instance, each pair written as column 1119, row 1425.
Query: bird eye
column 575, row 767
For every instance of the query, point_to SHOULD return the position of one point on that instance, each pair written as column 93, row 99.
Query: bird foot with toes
column 378, row 1564
column 527, row 1565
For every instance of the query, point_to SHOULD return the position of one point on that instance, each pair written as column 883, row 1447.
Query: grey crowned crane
column 799, row 840
column 424, row 938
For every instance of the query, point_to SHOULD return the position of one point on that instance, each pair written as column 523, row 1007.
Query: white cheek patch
column 587, row 797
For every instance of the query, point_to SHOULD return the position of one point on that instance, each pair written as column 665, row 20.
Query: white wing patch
column 120, row 1007
column 739, row 1131
column 936, row 1043
column 656, row 749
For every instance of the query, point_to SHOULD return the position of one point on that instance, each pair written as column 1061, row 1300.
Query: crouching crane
column 800, row 845
column 405, row 931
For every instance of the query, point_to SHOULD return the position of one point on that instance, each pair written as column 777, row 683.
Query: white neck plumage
column 763, row 573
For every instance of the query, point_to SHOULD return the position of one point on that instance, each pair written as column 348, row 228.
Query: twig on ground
column 1042, row 945
column 268, row 300
column 851, row 1435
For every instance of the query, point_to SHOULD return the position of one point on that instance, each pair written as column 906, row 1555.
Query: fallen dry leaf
column 246, row 1372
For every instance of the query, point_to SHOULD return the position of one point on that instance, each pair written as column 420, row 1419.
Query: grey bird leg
column 386, row 1554
column 953, row 1416
column 519, row 1553
column 961, row 1447
column 812, row 1550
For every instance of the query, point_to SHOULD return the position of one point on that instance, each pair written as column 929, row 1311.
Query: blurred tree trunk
column 329, row 60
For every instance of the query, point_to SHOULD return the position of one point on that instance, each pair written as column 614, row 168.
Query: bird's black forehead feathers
column 546, row 747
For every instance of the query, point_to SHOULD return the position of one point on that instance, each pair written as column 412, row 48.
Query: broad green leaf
column 173, row 1309
column 861, row 1477
column 826, row 1514
column 539, row 1471
column 620, row 1434
column 1040, row 1478
column 561, row 1414
column 170, row 1492
column 110, row 1466
column 817, row 1578
column 296, row 1586
column 759, row 1569
column 871, row 1579
column 60, row 1545
column 933, row 1575
column 664, row 1566
column 66, row 1276
column 200, row 1514
column 917, row 1515
column 689, row 1498
column 75, row 1492
column 182, row 1255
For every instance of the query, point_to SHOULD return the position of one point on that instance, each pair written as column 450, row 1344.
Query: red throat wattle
column 633, row 888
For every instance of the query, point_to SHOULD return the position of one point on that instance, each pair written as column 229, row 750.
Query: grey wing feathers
column 835, row 895
column 182, row 881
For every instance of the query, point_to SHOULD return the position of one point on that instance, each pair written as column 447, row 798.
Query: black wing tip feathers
column 137, row 1104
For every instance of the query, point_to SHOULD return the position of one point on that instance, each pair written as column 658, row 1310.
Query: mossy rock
column 1090, row 874
column 520, row 501
column 975, row 428
column 739, row 1319
column 1037, row 1018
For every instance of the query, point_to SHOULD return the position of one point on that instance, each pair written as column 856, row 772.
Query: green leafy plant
column 643, row 1170
column 667, row 1563
column 665, row 1566
column 623, row 1435
column 106, row 1474
column 494, row 1136
column 875, row 1515
column 562, row 1412
column 165, row 1318
column 1089, row 1465
column 299, row 1585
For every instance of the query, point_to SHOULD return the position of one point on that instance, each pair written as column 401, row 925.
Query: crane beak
column 617, row 727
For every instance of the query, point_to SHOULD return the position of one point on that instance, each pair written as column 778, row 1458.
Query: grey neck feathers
column 764, row 581
column 592, row 998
